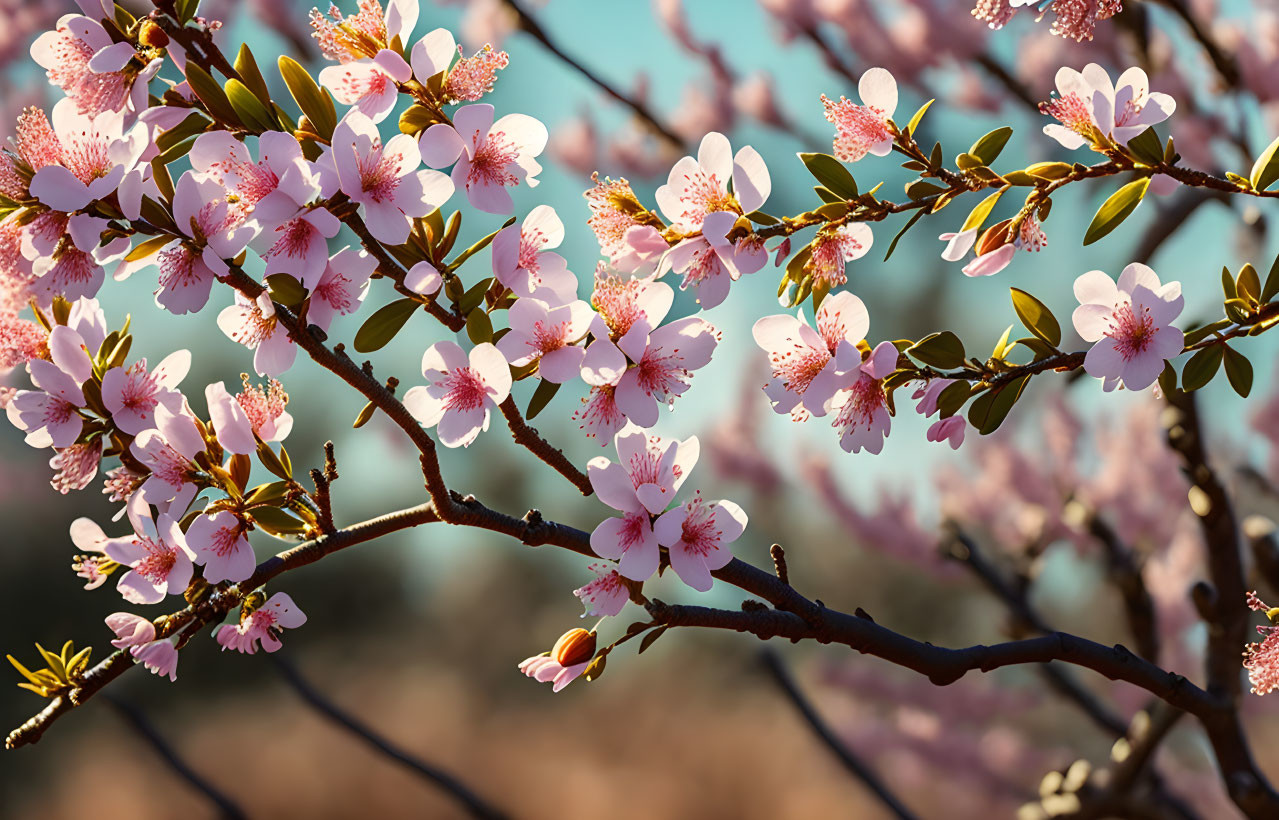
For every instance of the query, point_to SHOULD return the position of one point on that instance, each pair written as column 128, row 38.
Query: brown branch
column 1125, row 574
column 391, row 269
column 1014, row 86
column 528, row 438
column 1225, row 63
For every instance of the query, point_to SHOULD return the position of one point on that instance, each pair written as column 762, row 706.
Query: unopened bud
column 152, row 35
column 995, row 237
column 574, row 647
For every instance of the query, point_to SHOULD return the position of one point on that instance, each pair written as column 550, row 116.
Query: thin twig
column 474, row 804
column 855, row 765
column 226, row 807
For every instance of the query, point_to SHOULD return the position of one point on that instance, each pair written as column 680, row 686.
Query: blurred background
column 418, row 635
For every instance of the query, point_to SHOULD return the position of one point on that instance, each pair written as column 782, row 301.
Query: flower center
column 492, row 159
column 157, row 563
column 1071, row 111
column 378, row 176
column 703, row 194
column 867, row 397
column 1132, row 331
column 858, row 128
column 465, row 389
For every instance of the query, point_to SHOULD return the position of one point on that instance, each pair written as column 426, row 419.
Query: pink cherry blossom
column 623, row 304
column 273, row 189
column 262, row 626
column 523, row 261
column 49, row 415
column 347, row 38
column 1128, row 107
column 709, row 261
column 1262, row 659
column 299, row 247
column 664, row 363
column 423, row 278
column 832, row 249
column 606, row 595
column 461, row 391
column 220, row 543
column 631, row 246
column 433, row 54
column 74, row 269
column 96, row 73
column 697, row 534
column 487, row 157
column 1130, row 324
column 994, row 252
column 132, row 393
column 158, row 657
column 130, row 630
column 169, row 452
column 862, row 418
column 547, row 335
column 341, row 288
column 266, row 408
column 863, row 129
column 545, row 669
column 950, row 429
column 599, row 415
column 254, row 324
column 469, row 79
column 803, row 359
column 1076, row 19
column 159, row 560
column 95, row 155
column 1079, row 107
column 34, row 145
column 371, row 85
column 89, row 538
column 698, row 187
column 76, row 466
column 230, row 422
column 384, row 180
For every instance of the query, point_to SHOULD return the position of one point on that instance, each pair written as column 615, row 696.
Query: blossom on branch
column 460, row 391
column 1130, row 325
column 261, row 627
column 697, row 534
column 159, row 560
column 864, row 129
column 606, row 595
column 523, row 259
column 547, row 335
column 487, row 157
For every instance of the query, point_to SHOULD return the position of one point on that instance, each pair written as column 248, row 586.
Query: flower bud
column 149, row 34
column 574, row 647
column 995, row 237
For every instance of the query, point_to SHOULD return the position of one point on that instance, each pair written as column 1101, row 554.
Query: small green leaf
column 285, row 289
column 479, row 327
column 987, row 148
column 1147, row 147
column 1201, row 367
column 1002, row 347
column 315, row 102
column 944, row 350
column 276, row 521
column 1238, row 370
column 249, row 109
column 831, row 173
column 1199, row 334
column 892, row 246
column 1020, row 178
column 1248, row 285
column 1036, row 316
column 913, row 125
column 921, row 188
column 990, row 409
column 541, row 397
column 1228, row 284
column 210, row 93
column 828, row 196
column 193, row 125
column 1116, row 209
column 977, row 217
column 249, row 72
column 1266, row 169
column 366, row 413
column 952, row 398
column 150, row 246
column 381, row 327
column 649, row 639
column 1271, row 287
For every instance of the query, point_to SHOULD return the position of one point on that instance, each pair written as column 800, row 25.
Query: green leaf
column 476, row 248
column 977, row 217
column 1249, row 283
column 1116, row 209
column 1201, row 367
column 828, row 196
column 990, row 409
column 249, row 108
column 186, row 10
column 761, row 218
column 366, row 413
column 479, row 327
column 1199, row 334
column 194, row 124
column 944, row 350
column 1266, row 169
column 145, row 249
column 315, row 102
column 211, row 94
column 381, row 327
column 541, row 397
column 1002, row 347
column 1147, row 147
column 892, row 246
column 921, row 188
column 1271, row 287
column 913, row 125
column 1036, row 316
column 952, row 398
column 649, row 639
column 831, row 173
column 1020, row 178
column 988, row 147
column 1238, row 370
column 1228, row 284
column 276, row 521
column 285, row 289
column 249, row 72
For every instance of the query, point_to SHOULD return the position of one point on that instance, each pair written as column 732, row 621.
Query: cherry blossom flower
column 169, row 452
column 230, row 423
column 627, row 233
column 273, row 189
column 546, row 335
column 130, row 630
column 365, row 33
column 262, row 627
column 1130, row 324
column 132, row 393
column 423, row 278
column 253, row 323
column 698, row 187
column 623, row 304
column 950, row 429
column 460, row 391
column 341, row 288
column 832, row 249
column 94, row 567
column 220, row 543
column 469, row 79
column 1262, row 659
column 214, row 234
column 606, row 595
column 803, row 359
column 696, row 534
column 1089, row 105
column 384, row 180
column 371, row 85
column 76, row 466
column 299, row 247
column 95, row 155
column 523, row 261
column 1076, row 19
column 995, row 250
column 710, row 261
column 49, row 414
column 71, row 269
column 239, row 421
column 862, row 418
column 158, row 657
column 664, row 360
column 569, row 658
column 599, row 415
column 487, row 157
column 159, row 560
column 864, row 129
column 93, row 71
column 266, row 408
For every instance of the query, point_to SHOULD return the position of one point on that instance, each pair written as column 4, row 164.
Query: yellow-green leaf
column 251, row 111
column 210, row 93
column 1238, row 370
column 1201, row 367
column 541, row 397
column 977, row 217
column 1266, row 169
column 381, row 327
column 314, row 101
column 944, row 350
column 1036, row 316
column 1116, row 209
column 987, row 148
column 831, row 173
